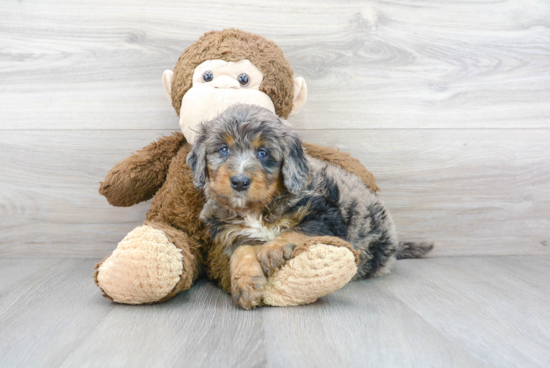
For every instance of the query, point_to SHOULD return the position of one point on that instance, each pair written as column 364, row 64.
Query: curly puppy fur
column 289, row 197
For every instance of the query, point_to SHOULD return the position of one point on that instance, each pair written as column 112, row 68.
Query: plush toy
column 166, row 254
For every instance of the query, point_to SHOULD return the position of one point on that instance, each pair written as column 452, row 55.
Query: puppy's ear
column 196, row 159
column 295, row 165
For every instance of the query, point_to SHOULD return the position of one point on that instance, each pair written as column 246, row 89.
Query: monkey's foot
column 145, row 268
column 319, row 267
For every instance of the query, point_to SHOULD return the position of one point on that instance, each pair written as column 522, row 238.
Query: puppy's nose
column 240, row 182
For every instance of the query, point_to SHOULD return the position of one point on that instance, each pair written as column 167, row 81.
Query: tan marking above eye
column 258, row 142
column 229, row 139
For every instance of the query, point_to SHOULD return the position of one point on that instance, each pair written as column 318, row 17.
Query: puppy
column 265, row 198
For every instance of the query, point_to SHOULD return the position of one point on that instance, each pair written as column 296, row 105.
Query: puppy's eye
column 262, row 153
column 224, row 151
column 243, row 79
column 207, row 76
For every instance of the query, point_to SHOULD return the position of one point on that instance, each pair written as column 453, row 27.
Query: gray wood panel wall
column 446, row 102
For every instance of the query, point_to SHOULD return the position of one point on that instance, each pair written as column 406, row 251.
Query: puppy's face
column 243, row 172
column 246, row 157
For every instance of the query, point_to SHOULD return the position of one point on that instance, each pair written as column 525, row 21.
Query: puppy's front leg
column 247, row 278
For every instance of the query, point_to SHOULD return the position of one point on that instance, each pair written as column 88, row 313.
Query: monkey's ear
column 300, row 95
column 167, row 77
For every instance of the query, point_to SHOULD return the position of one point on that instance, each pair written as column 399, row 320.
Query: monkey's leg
column 317, row 267
column 153, row 263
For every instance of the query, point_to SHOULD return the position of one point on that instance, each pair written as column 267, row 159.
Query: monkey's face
column 226, row 67
column 218, row 84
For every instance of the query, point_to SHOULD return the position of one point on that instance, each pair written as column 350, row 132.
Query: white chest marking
column 257, row 230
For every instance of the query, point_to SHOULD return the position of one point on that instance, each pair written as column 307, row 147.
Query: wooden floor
column 435, row 312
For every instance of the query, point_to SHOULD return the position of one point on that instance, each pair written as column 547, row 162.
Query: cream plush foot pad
column 144, row 267
column 318, row 270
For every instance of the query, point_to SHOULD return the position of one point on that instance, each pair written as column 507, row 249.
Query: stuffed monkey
column 166, row 254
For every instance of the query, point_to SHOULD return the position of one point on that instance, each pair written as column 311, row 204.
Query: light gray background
column 446, row 102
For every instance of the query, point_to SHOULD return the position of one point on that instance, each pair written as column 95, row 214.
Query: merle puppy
column 265, row 197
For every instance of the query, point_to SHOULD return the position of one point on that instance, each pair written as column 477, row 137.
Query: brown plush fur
column 96, row 267
column 217, row 265
column 178, row 202
column 233, row 45
column 138, row 177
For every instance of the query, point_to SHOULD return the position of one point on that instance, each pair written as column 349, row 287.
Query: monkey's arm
column 344, row 160
column 138, row 177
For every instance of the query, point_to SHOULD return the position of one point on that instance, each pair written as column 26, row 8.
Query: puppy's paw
column 248, row 290
column 273, row 255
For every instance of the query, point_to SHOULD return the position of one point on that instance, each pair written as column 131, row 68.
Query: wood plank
column 436, row 64
column 14, row 270
column 199, row 328
column 472, row 191
column 526, row 273
column 48, row 313
column 481, row 304
column 361, row 325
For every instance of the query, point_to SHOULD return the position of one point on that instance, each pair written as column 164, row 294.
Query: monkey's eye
column 224, row 151
column 207, row 76
column 262, row 153
column 243, row 79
